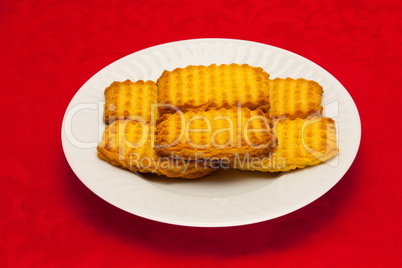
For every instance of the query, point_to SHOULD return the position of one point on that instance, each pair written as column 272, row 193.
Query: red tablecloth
column 50, row 219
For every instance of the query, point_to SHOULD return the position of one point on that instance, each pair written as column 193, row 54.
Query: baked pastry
column 216, row 133
column 301, row 143
column 294, row 98
column 213, row 86
column 128, row 144
column 131, row 100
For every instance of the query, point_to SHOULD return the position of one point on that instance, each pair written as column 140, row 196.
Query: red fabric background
column 50, row 219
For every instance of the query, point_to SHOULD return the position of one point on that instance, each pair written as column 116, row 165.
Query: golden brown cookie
column 129, row 99
column 294, row 98
column 214, row 134
column 213, row 86
column 301, row 143
column 128, row 144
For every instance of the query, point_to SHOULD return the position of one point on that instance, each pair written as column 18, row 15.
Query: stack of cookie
column 196, row 119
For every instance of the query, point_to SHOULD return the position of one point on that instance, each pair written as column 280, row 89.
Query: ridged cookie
column 128, row 144
column 213, row 86
column 294, row 98
column 301, row 143
column 214, row 134
column 129, row 99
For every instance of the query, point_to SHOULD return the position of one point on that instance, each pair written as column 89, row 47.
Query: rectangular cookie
column 213, row 86
column 294, row 98
column 301, row 143
column 129, row 99
column 128, row 144
column 214, row 134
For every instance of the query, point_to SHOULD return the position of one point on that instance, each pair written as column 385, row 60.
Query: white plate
column 227, row 198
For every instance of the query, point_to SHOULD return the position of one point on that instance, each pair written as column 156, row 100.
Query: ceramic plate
column 227, row 198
